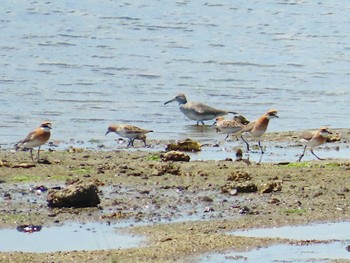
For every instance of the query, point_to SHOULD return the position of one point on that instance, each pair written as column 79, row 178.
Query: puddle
column 67, row 237
column 335, row 237
column 324, row 231
column 285, row 253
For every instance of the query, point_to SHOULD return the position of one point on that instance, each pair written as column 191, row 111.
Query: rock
column 175, row 156
column 334, row 138
column 75, row 195
column 247, row 188
column 245, row 210
column 270, row 187
column 239, row 188
column 239, row 154
column 187, row 145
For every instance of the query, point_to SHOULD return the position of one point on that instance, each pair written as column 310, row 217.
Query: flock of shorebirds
column 198, row 112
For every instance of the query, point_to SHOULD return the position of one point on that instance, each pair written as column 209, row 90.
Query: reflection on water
column 84, row 65
column 285, row 253
column 68, row 237
column 334, row 235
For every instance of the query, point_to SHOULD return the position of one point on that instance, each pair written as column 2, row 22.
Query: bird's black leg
column 302, row 155
column 316, row 155
column 245, row 142
column 131, row 142
column 261, row 148
column 38, row 154
column 31, row 154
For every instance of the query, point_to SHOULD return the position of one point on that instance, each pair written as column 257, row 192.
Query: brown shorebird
column 228, row 126
column 129, row 131
column 258, row 128
column 313, row 139
column 35, row 138
column 197, row 111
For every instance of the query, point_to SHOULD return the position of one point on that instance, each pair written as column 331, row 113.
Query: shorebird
column 313, row 139
column 228, row 126
column 197, row 111
column 129, row 131
column 258, row 128
column 35, row 138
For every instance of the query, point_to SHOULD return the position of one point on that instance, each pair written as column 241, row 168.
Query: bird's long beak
column 107, row 132
column 165, row 103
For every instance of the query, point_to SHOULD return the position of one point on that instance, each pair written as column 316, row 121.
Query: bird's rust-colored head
column 324, row 132
column 271, row 114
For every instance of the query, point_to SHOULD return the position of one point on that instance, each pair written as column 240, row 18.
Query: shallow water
column 68, row 237
column 316, row 253
column 322, row 231
column 335, row 237
column 84, row 65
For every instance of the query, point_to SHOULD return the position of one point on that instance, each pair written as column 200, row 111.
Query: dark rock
column 247, row 188
column 175, row 156
column 76, row 195
column 245, row 210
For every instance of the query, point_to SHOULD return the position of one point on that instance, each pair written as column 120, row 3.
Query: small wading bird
column 228, row 126
column 35, row 138
column 129, row 131
column 197, row 111
column 257, row 128
column 313, row 139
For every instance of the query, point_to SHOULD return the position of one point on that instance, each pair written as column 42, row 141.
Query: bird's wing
column 130, row 129
column 29, row 137
column 307, row 135
column 248, row 127
column 204, row 109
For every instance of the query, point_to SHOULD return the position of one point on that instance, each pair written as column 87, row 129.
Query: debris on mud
column 175, row 156
column 187, row 145
column 270, row 187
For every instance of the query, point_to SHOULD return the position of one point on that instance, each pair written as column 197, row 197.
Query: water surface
column 84, row 65
column 67, row 237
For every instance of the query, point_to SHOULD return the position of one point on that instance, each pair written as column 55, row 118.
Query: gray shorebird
column 35, row 138
column 313, row 139
column 257, row 128
column 228, row 126
column 197, row 111
column 129, row 131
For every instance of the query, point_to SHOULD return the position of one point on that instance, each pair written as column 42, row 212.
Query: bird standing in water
column 257, row 128
column 197, row 111
column 129, row 131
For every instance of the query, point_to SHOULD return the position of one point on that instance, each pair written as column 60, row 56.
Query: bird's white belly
column 194, row 115
column 127, row 135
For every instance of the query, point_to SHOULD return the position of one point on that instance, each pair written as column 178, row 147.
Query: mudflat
column 186, row 208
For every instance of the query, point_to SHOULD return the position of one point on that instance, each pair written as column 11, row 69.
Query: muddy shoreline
column 185, row 208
